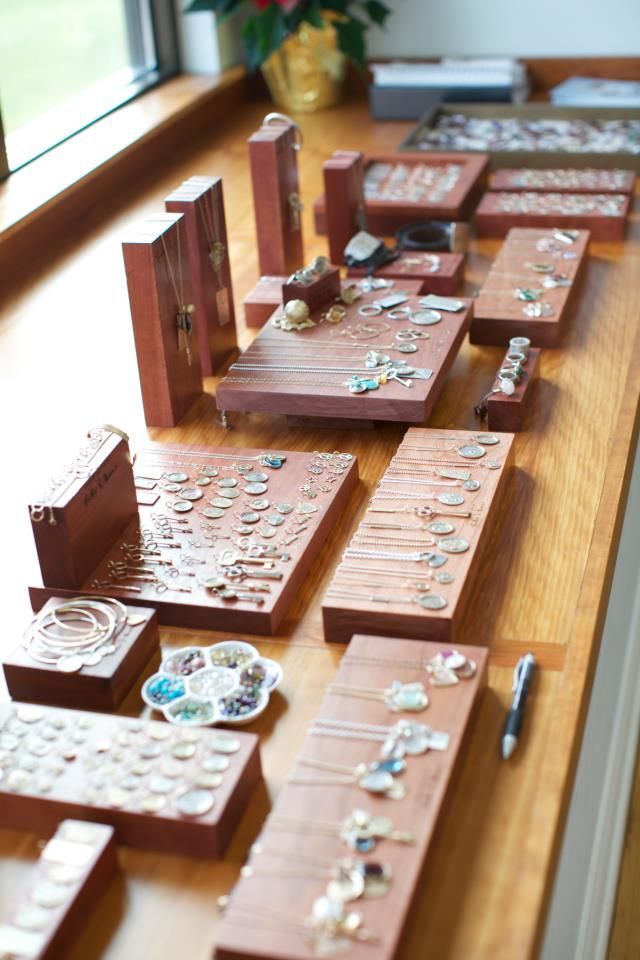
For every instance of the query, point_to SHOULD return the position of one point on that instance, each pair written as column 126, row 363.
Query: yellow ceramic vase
column 307, row 72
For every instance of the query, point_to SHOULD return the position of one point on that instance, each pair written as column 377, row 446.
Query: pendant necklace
column 209, row 214
column 184, row 316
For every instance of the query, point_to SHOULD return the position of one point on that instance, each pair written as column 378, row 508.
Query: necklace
column 372, row 777
column 360, row 830
column 209, row 215
column 424, row 600
column 348, row 879
column 445, row 669
column 404, row 738
column 273, row 460
column 184, row 316
column 398, row 697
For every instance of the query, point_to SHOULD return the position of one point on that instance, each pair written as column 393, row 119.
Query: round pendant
column 208, row 780
column 48, row 895
column 256, row 476
column 471, row 451
column 486, row 439
column 18, row 780
column 209, row 472
column 471, row 485
column 432, row 601
column 215, row 764
column 183, row 750
column 222, row 502
column 436, row 560
column 227, row 482
column 259, row 504
column 407, row 697
column 450, row 499
column 70, row 663
column 255, row 488
column 454, row 545
column 250, row 517
column 284, row 508
column 150, row 750
column 27, row 714
column 224, row 745
column 93, row 659
column 406, row 348
column 194, row 803
column 493, row 465
column 160, row 784
column 444, row 577
column 425, row 318
column 202, row 481
column 440, row 527
column 181, row 506
column 376, row 781
column 274, row 520
column 213, row 513
column 171, row 487
column 117, row 798
column 243, row 530
column 153, row 803
column 32, row 918
column 267, row 532
column 177, row 477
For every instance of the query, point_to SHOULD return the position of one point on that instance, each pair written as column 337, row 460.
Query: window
column 65, row 63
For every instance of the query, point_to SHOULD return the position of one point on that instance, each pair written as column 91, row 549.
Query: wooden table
column 67, row 363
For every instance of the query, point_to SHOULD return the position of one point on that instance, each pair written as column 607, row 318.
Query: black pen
column 521, row 681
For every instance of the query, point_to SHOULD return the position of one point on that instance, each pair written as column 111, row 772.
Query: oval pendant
column 407, row 697
column 376, row 781
column 454, row 545
column 471, row 451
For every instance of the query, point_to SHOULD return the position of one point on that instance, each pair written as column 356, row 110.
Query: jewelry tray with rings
column 319, row 832
column 226, row 542
column 401, row 189
column 603, row 214
column 506, row 411
column 409, row 567
column 330, row 369
column 101, row 683
column 530, row 286
column 441, row 273
column 161, row 787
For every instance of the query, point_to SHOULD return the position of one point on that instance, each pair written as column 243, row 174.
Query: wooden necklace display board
column 145, row 779
column 410, row 565
column 406, row 189
column 306, row 372
column 344, row 208
column 290, row 869
column 73, row 872
column 160, row 296
column 276, row 198
column 530, row 260
column 603, row 214
column 198, row 507
column 200, row 200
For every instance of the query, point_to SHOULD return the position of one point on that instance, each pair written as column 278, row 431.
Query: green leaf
column 313, row 14
column 351, row 39
column 263, row 34
column 339, row 6
column 198, row 6
column 378, row 12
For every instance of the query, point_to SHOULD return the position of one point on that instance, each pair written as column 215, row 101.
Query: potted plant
column 302, row 46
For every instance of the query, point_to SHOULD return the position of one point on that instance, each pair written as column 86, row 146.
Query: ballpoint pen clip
column 516, row 674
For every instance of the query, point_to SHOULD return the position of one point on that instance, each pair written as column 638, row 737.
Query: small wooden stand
column 71, row 531
column 325, row 394
column 565, row 180
column 266, row 913
column 342, row 616
column 415, row 265
column 261, row 302
column 498, row 315
column 100, row 687
column 493, row 221
column 344, row 200
column 192, row 604
column 155, row 257
column 86, row 855
column 389, row 205
column 73, row 793
column 323, row 290
column 200, row 201
column 276, row 198
column 506, row 413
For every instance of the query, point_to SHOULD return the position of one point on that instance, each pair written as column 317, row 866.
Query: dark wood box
column 260, row 302
column 493, row 221
column 563, row 180
column 507, row 413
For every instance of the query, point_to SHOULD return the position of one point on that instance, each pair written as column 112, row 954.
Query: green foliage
column 272, row 20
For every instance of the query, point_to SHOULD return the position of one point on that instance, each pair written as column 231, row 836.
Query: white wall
column 531, row 28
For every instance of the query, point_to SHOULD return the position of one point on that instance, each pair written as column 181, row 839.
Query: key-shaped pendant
column 229, row 559
column 296, row 207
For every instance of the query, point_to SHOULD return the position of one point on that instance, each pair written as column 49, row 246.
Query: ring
column 399, row 313
column 370, row 310
column 508, row 375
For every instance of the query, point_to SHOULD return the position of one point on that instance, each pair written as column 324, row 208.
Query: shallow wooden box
column 527, row 112
column 446, row 280
column 200, row 609
column 260, row 302
column 507, row 413
column 491, row 221
column 385, row 217
column 576, row 181
column 342, row 617
column 167, row 831
column 100, row 687
column 498, row 315
column 65, row 921
column 314, row 395
column 254, row 924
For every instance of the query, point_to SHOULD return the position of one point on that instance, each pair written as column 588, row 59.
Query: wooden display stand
column 200, row 200
column 415, row 265
column 75, row 792
column 374, row 606
column 323, row 289
column 506, row 413
column 155, row 257
column 266, row 911
column 325, row 394
column 90, row 511
column 385, row 214
column 260, row 303
column 102, row 686
column 85, row 856
column 493, row 221
column 185, row 601
column 563, row 180
column 276, row 198
column 498, row 315
column 343, row 199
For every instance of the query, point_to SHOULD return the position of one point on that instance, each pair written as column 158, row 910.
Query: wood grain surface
column 67, row 361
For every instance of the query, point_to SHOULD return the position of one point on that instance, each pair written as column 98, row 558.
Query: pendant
column 406, row 697
column 273, row 460
column 217, row 251
column 184, row 324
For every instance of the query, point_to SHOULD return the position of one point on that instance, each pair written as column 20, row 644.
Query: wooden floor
column 67, row 363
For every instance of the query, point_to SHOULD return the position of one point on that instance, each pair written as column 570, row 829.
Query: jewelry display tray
column 167, row 831
column 66, row 920
column 343, row 617
column 200, row 609
column 507, row 413
column 445, row 281
column 510, row 179
column 528, row 112
column 428, row 779
column 330, row 398
column 491, row 221
column 100, row 686
column 384, row 217
column 498, row 315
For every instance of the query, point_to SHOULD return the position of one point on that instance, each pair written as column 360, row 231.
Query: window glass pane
column 62, row 64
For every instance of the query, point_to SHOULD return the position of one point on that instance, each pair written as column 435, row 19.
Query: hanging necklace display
column 445, row 668
column 360, row 830
column 210, row 221
column 373, row 777
column 348, row 879
column 398, row 697
column 184, row 316
column 404, row 738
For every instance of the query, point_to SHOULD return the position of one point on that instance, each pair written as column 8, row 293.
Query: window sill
column 63, row 182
